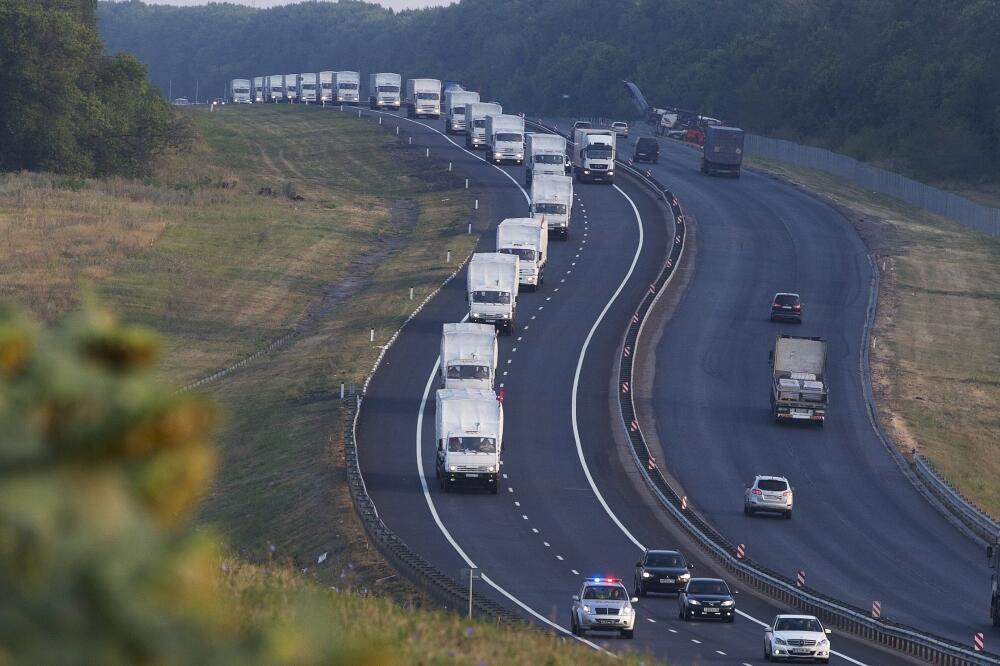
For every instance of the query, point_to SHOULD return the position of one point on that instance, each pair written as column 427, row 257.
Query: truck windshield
column 472, row 445
column 347, row 86
column 548, row 159
column 479, row 122
column 309, row 86
column 388, row 89
column 525, row 253
column 276, row 89
column 493, row 297
column 508, row 136
column 599, row 152
column 428, row 95
column 458, row 110
column 550, row 208
column 468, row 372
column 241, row 90
column 326, row 86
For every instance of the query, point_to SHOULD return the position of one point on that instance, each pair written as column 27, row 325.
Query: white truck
column 594, row 155
column 274, row 89
column 291, row 88
column 475, row 122
column 383, row 90
column 798, row 382
column 504, row 138
column 325, row 87
column 454, row 109
column 528, row 239
column 544, row 154
column 552, row 198
column 491, row 290
column 468, row 356
column 346, row 87
column 469, row 433
column 307, row 88
column 258, row 90
column 239, row 91
column 423, row 98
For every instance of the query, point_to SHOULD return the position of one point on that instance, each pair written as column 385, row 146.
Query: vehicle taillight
column 787, row 493
column 797, row 306
column 756, row 491
column 776, row 305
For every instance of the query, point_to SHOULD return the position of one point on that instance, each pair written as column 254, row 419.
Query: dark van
column 646, row 150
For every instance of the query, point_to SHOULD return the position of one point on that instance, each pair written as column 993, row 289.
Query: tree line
column 909, row 84
column 67, row 106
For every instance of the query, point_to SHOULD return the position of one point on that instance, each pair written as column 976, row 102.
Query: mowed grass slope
column 936, row 359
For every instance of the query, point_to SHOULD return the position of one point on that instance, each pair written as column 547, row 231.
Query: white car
column 769, row 493
column 796, row 637
column 620, row 128
column 603, row 604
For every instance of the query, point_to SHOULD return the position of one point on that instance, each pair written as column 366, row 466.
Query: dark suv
column 661, row 571
column 786, row 306
column 706, row 598
column 646, row 150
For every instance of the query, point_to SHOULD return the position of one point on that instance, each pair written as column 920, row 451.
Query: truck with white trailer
column 468, row 356
column 798, row 383
column 468, row 429
column 239, row 91
column 326, row 87
column 594, row 155
column 423, row 98
column 346, row 87
column 552, row 198
column 258, row 90
column 475, row 122
column 528, row 239
column 544, row 154
column 274, row 89
column 504, row 138
column 491, row 289
column 384, row 90
column 454, row 109
column 291, row 88
column 307, row 88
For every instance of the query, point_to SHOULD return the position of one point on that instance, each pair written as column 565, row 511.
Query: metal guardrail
column 972, row 516
column 858, row 621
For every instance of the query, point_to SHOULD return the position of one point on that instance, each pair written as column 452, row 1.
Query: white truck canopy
column 458, row 99
column 522, row 232
column 468, row 355
column 545, row 144
column 469, row 412
column 493, row 271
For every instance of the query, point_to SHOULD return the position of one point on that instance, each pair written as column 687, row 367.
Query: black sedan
column 661, row 571
column 786, row 306
column 706, row 598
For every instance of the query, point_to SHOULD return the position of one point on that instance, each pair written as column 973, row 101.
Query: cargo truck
column 307, row 88
column 543, row 154
column 469, row 433
column 274, row 89
column 798, row 383
column 258, row 90
column 491, row 289
column 423, row 98
column 722, row 151
column 291, row 88
column 504, row 138
column 454, row 109
column 384, row 90
column 594, row 155
column 468, row 356
column 475, row 122
column 239, row 91
column 346, row 87
column 528, row 239
column 326, row 87
column 552, row 198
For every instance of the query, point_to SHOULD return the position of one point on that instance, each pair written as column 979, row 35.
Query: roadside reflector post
column 411, row 140
column 397, row 130
column 448, row 258
column 341, row 107
column 978, row 642
column 371, row 336
column 741, row 551
column 470, row 228
column 449, row 166
column 427, row 152
column 477, row 204
column 411, row 293
column 684, row 503
column 876, row 609
column 380, row 120
column 466, row 183
column 341, row 390
column 359, row 113
column 800, row 579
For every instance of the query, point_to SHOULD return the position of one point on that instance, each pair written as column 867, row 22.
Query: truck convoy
column 468, row 356
column 307, row 88
column 346, row 87
column 239, row 91
column 552, row 198
column 544, row 154
column 274, row 89
column 798, row 386
column 504, row 138
column 528, row 239
column 469, row 434
column 291, row 88
column 325, row 87
column 258, row 90
column 722, row 151
column 492, row 284
column 454, row 109
column 594, row 155
column 475, row 122
column 384, row 90
column 423, row 98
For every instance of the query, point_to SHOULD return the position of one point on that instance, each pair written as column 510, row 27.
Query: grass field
column 936, row 359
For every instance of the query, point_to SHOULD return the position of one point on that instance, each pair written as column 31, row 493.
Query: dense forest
column 911, row 84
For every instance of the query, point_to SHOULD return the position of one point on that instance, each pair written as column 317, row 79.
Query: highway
column 568, row 505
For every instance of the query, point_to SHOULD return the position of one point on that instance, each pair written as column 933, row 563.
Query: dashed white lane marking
column 673, row 631
column 548, row 298
column 516, row 503
column 524, row 516
column 568, row 271
column 547, row 544
column 509, row 489
column 649, row 619
column 695, row 640
column 526, row 327
column 505, row 476
column 577, row 257
column 720, row 652
column 535, row 530
column 575, row 572
column 532, row 316
column 541, row 307
column 504, row 373
column 562, row 279
column 559, row 557
column 573, row 264
column 519, row 338
column 513, row 349
column 509, row 360
column 556, row 289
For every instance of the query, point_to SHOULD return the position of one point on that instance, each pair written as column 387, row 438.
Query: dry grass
column 936, row 364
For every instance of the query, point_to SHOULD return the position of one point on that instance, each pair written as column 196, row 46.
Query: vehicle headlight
column 646, row 574
column 490, row 468
column 627, row 611
column 499, row 155
column 586, row 609
column 684, row 576
column 779, row 641
column 520, row 156
column 694, row 602
column 453, row 468
column 728, row 602
column 610, row 171
column 823, row 643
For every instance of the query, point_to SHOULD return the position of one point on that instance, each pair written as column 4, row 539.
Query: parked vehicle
column 454, row 109
column 326, row 87
column 798, row 388
column 528, row 239
column 492, row 285
column 769, row 493
column 647, row 149
column 552, row 198
column 708, row 598
column 468, row 356
column 475, row 122
column 594, row 155
column 291, row 88
column 307, row 88
column 346, row 87
column 384, row 90
column 274, row 89
column 786, row 306
column 258, row 90
column 544, row 154
column 722, row 151
column 620, row 128
column 504, row 138
column 661, row 571
column 603, row 604
column 423, row 98
column 469, row 433
column 796, row 637
column 239, row 91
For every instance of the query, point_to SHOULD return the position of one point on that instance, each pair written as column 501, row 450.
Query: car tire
column 767, row 655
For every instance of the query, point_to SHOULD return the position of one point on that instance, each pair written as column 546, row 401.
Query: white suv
column 768, row 493
column 603, row 604
column 796, row 637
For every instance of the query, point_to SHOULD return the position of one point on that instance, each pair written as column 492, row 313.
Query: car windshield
column 664, row 560
column 772, row 485
column 619, row 125
column 428, row 95
column 472, row 445
column 347, row 86
column 550, row 208
column 798, row 624
column 599, row 152
column 494, row 297
column 707, row 587
column 605, row 593
column 786, row 299
column 508, row 136
column 390, row 89
column 468, row 371
column 525, row 253
column 548, row 159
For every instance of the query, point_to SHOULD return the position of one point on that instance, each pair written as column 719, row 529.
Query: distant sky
column 391, row 4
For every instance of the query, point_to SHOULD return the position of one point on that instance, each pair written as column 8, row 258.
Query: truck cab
column 468, row 356
column 544, row 154
column 552, row 198
column 384, row 90
column 454, row 109
column 469, row 435
column 239, row 91
column 594, row 155
column 528, row 239
column 258, row 90
column 492, row 286
column 504, row 138
column 346, row 87
column 423, row 98
column 325, row 87
column 307, row 88
column 798, row 390
column 291, row 88
column 275, row 89
column 475, row 122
